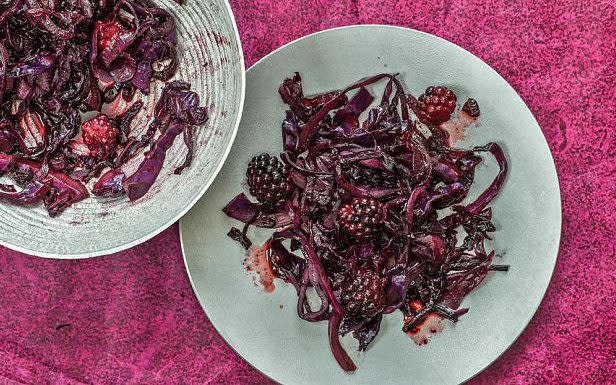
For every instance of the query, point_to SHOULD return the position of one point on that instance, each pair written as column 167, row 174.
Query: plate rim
column 466, row 52
column 181, row 213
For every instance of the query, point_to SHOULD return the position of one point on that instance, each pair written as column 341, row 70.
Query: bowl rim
column 181, row 213
column 466, row 52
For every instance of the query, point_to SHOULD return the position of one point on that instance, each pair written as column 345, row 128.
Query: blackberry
column 268, row 179
column 436, row 105
column 364, row 176
column 362, row 294
column 361, row 218
column 108, row 33
column 100, row 135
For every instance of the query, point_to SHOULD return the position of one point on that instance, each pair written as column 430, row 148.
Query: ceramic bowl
column 210, row 56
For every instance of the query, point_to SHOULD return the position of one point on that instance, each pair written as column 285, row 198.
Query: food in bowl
column 366, row 206
column 74, row 75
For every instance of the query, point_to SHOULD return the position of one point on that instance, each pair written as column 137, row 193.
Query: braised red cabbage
column 62, row 59
column 426, row 260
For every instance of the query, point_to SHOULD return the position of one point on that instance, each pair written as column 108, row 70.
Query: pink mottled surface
column 131, row 318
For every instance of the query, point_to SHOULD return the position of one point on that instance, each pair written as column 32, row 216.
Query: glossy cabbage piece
column 176, row 113
column 54, row 189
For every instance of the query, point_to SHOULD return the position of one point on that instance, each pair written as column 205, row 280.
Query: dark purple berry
column 436, row 105
column 362, row 294
column 361, row 218
column 268, row 179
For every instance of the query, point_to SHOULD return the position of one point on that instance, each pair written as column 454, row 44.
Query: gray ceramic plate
column 264, row 328
column 211, row 59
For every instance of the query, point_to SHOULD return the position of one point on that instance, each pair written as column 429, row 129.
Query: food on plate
column 365, row 204
column 74, row 74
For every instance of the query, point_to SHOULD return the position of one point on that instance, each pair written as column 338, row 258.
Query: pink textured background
column 131, row 318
